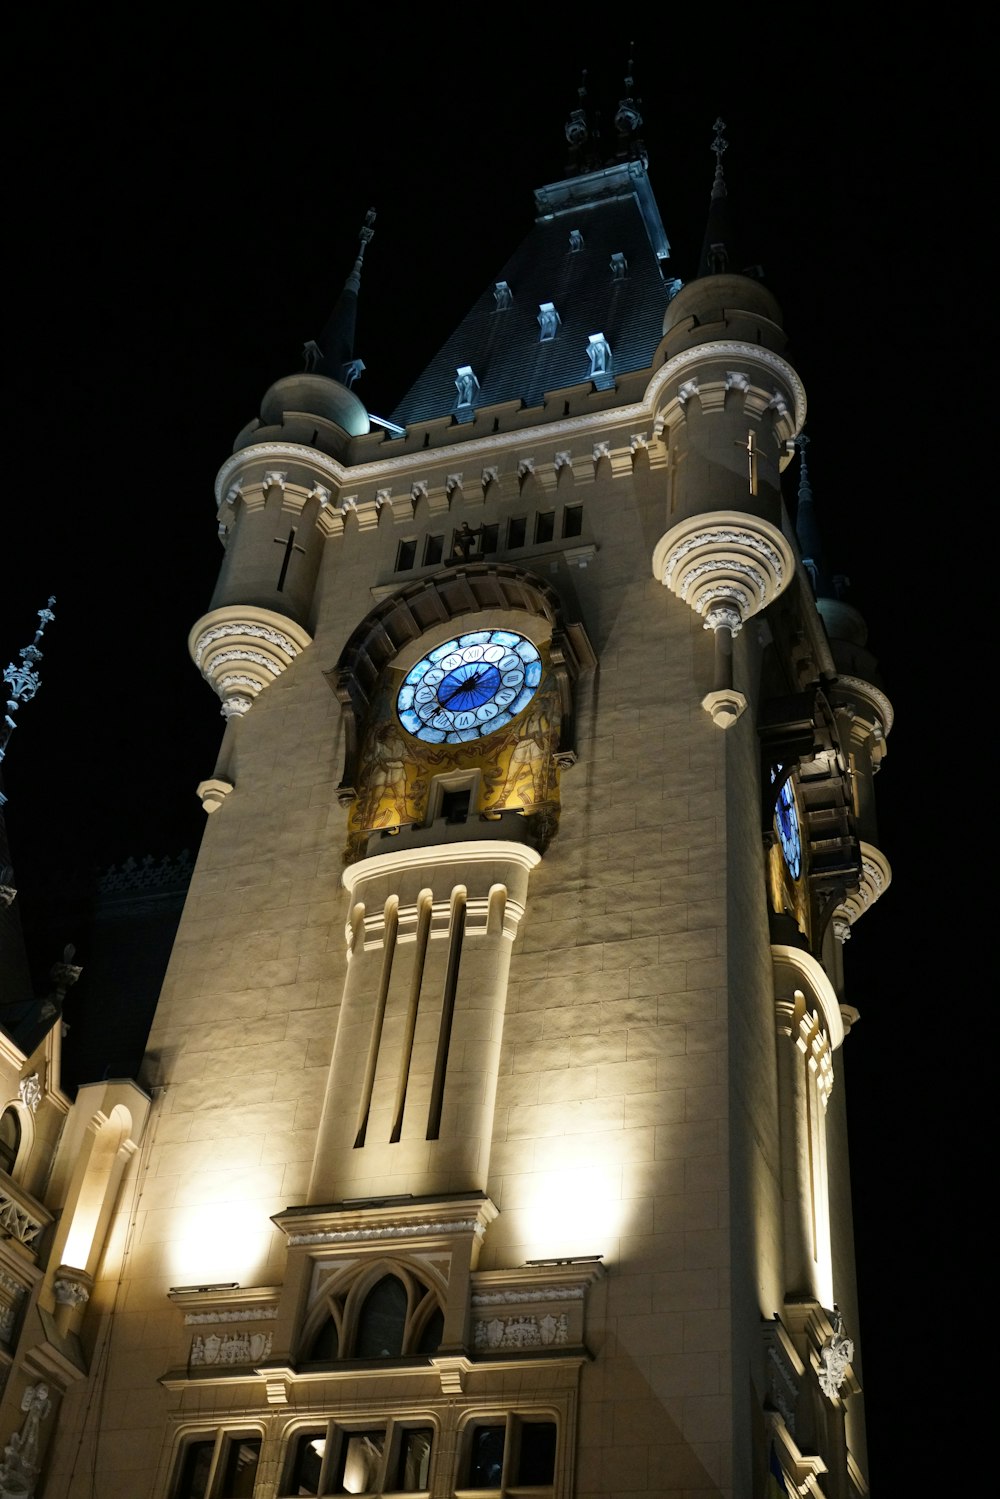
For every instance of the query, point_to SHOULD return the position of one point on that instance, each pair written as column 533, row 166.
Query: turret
column 733, row 407
column 274, row 497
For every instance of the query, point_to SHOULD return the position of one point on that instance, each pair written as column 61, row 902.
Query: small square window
column 517, row 530
column 572, row 524
column 488, row 540
column 405, row 556
column 516, row 1454
column 545, row 523
column 220, row 1467
column 361, row 1454
column 433, row 550
column 393, row 1458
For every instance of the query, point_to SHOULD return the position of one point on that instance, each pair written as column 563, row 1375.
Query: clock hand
column 467, row 686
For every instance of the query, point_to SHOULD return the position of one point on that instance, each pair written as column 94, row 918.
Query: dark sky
column 181, row 218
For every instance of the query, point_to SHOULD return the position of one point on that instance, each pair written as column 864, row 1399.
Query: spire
column 333, row 356
column 716, row 251
column 628, row 117
column 583, row 133
column 806, row 527
column 22, row 684
column 23, row 681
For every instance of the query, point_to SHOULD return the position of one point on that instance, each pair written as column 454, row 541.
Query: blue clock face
column 787, row 822
column 469, row 686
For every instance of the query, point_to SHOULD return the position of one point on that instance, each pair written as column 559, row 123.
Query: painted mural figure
column 385, row 772
column 529, row 760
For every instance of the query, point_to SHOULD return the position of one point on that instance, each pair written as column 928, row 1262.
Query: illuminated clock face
column 469, row 686
column 787, row 821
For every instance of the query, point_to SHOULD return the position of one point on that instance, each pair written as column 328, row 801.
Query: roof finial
column 365, row 234
column 719, row 147
column 576, row 129
column 333, row 355
column 718, row 238
column 628, row 118
column 23, row 681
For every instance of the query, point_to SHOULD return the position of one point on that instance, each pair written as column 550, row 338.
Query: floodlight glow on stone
column 469, row 686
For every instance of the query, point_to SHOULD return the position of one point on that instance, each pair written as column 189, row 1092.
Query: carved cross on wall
column 290, row 545
column 751, row 451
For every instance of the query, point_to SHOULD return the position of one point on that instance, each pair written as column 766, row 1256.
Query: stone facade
column 497, row 1142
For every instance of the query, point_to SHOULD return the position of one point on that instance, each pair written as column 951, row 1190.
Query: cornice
column 870, row 694
column 399, row 862
column 414, row 464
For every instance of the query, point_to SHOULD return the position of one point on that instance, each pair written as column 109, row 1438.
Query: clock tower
column 497, row 1142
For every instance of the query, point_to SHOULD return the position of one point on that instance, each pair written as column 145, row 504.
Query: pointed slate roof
column 616, row 214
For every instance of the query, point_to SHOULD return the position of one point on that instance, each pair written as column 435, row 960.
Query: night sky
column 180, row 222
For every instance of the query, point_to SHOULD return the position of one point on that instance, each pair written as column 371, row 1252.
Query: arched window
column 390, row 1312
column 10, row 1140
column 325, row 1345
column 382, row 1322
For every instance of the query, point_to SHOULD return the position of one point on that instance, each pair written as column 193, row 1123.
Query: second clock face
column 469, row 686
column 787, row 820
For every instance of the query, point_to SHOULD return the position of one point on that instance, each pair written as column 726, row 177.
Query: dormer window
column 466, row 384
column 502, row 295
column 575, row 240
column 548, row 321
column 599, row 354
column 619, row 266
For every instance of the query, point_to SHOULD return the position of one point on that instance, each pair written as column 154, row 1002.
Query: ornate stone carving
column 784, row 1372
column 17, row 1221
column 388, row 1231
column 70, row 1292
column 230, row 1348
column 265, row 1313
column 30, row 1091
column 519, row 1297
column 12, row 1295
column 876, row 877
column 521, row 1332
column 22, row 1457
column 263, row 643
column 834, row 1359
column 727, row 566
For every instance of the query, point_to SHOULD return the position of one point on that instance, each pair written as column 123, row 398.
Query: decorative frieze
column 16, row 1221
column 500, row 1333
column 522, row 1295
column 265, row 1313
column 389, row 1231
column 229, row 1348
